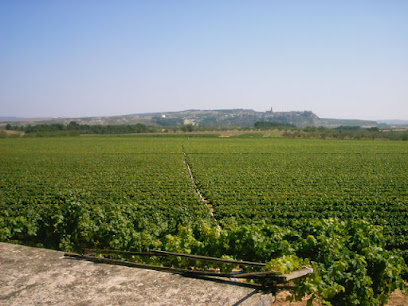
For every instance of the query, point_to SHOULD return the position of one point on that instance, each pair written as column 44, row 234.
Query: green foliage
column 187, row 128
column 286, row 264
column 347, row 132
column 268, row 194
column 268, row 125
column 351, row 266
column 4, row 134
column 75, row 129
column 289, row 181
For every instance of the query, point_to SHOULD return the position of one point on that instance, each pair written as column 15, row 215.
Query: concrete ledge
column 33, row 276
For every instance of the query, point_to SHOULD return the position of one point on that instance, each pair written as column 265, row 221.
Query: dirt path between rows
column 197, row 190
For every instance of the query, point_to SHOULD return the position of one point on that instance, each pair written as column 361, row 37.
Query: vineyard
column 129, row 187
column 284, row 181
column 340, row 206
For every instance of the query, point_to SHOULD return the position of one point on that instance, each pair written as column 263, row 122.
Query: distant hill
column 219, row 117
column 396, row 124
column 395, row 121
column 228, row 117
column 328, row 122
column 5, row 118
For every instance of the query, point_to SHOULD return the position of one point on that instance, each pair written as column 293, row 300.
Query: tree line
column 290, row 130
column 74, row 128
column 346, row 132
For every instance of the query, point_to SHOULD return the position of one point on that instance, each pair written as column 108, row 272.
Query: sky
column 339, row 59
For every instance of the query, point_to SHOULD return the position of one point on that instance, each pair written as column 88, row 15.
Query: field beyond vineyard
column 135, row 193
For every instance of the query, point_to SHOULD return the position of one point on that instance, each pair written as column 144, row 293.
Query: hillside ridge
column 217, row 117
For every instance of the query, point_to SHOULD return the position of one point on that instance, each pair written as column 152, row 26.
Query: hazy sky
column 340, row 59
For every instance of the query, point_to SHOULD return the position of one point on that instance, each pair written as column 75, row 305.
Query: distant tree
column 310, row 129
column 348, row 128
column 73, row 126
column 265, row 125
column 187, row 128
